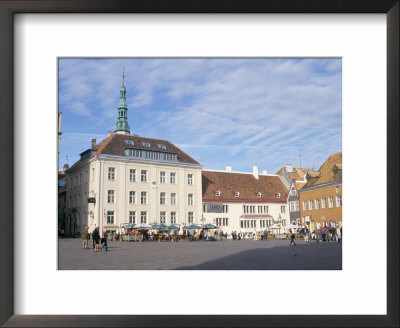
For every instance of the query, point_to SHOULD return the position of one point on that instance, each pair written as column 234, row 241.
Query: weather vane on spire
column 123, row 76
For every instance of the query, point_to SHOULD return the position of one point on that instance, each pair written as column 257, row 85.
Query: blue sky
column 231, row 111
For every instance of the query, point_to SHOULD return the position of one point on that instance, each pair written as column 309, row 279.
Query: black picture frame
column 10, row 7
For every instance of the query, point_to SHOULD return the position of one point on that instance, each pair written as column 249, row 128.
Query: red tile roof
column 116, row 145
column 228, row 183
column 102, row 144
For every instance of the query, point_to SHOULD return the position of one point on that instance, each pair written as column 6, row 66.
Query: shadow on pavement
column 313, row 256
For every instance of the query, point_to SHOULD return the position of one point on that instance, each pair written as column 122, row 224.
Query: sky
column 221, row 111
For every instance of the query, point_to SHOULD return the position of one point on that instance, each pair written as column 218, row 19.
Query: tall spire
column 122, row 125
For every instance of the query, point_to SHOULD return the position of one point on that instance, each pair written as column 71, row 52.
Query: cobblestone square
column 201, row 255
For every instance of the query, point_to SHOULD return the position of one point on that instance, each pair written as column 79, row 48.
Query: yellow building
column 321, row 197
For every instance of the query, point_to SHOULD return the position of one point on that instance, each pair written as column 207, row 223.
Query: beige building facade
column 108, row 191
column 131, row 179
column 245, row 202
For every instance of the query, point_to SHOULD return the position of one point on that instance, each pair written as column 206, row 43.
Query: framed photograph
column 39, row 35
column 176, row 124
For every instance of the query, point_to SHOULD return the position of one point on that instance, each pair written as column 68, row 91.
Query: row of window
column 143, row 217
column 78, row 179
column 261, row 223
column 321, row 203
column 251, row 209
column 149, row 154
column 221, row 222
column 111, row 198
column 144, row 178
column 144, row 143
column 237, row 194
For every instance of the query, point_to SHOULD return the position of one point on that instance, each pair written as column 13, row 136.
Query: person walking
column 318, row 235
column 292, row 239
column 255, row 235
column 96, row 239
column 338, row 235
column 323, row 235
column 85, row 237
column 306, row 232
column 104, row 240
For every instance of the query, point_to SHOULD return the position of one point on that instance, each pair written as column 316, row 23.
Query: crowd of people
column 319, row 235
column 98, row 242
column 322, row 234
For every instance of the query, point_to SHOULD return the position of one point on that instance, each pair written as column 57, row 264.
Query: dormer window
column 129, row 142
column 278, row 195
column 258, row 195
column 218, row 193
column 145, row 144
column 161, row 146
column 237, row 194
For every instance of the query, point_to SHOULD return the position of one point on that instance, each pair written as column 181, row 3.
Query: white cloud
column 242, row 111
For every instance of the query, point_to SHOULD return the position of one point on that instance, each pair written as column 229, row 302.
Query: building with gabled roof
column 321, row 197
column 132, row 179
column 244, row 202
column 294, row 178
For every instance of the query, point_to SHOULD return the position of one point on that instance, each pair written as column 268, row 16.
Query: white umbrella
column 143, row 226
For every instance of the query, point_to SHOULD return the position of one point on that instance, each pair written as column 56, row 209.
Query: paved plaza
column 201, row 255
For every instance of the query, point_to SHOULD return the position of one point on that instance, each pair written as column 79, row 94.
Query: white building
column 245, row 202
column 132, row 179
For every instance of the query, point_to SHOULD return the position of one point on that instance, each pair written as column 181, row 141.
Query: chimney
column 228, row 168
column 255, row 171
column 289, row 168
column 65, row 167
column 264, row 172
column 94, row 144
